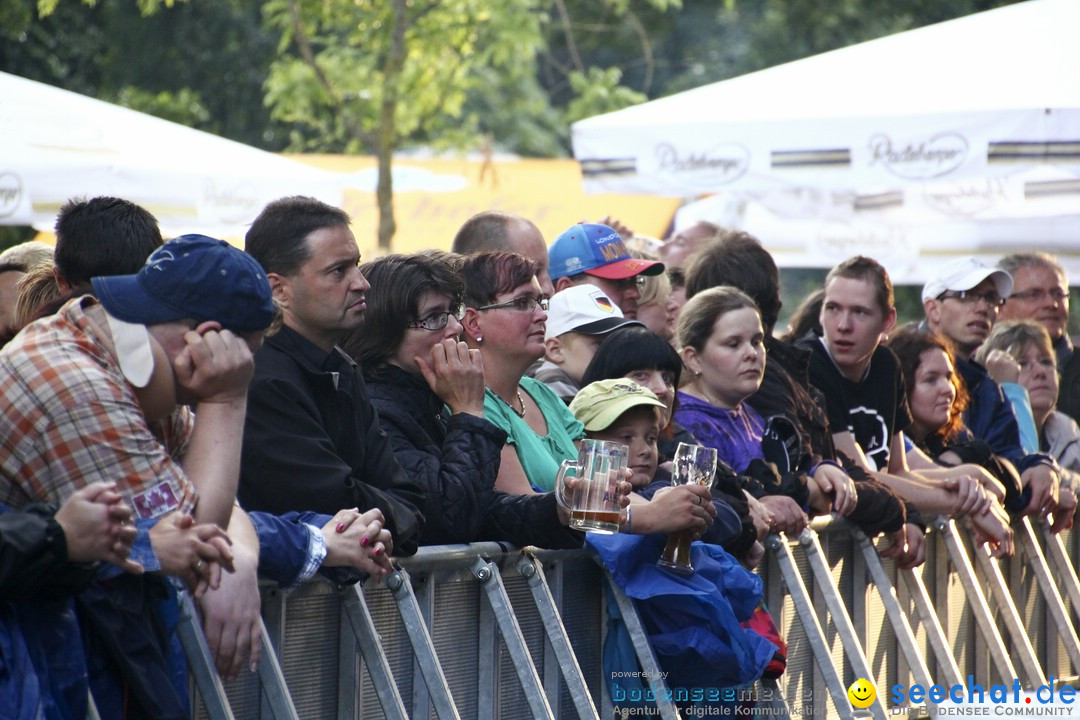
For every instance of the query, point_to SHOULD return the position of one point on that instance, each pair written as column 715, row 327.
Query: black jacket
column 312, row 441
column 455, row 459
column 786, row 391
column 33, row 557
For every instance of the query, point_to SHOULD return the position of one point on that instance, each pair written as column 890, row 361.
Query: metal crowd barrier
column 491, row 632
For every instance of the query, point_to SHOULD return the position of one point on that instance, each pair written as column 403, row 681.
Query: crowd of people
column 187, row 416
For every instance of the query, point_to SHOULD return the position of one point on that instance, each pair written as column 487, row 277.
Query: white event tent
column 55, row 145
column 953, row 139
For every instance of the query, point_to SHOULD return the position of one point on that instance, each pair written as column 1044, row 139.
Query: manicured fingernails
column 341, row 527
column 365, row 541
column 378, row 552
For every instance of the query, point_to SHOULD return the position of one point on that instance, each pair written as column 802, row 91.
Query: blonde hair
column 657, row 288
column 36, row 288
column 1014, row 337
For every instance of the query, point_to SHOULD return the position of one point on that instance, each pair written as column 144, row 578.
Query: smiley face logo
column 861, row 693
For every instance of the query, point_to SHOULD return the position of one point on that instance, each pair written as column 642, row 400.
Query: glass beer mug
column 593, row 502
column 693, row 464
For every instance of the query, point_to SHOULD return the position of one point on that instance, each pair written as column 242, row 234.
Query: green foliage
column 146, row 7
column 335, row 71
column 598, row 92
column 183, row 106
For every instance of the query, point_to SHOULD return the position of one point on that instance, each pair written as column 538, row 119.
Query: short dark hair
column 277, row 239
column 632, row 348
column 807, row 317
column 738, row 259
column 398, row 282
column 484, row 232
column 103, row 236
column 869, row 271
column 489, row 274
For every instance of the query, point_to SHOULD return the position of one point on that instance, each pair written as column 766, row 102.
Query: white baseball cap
column 583, row 309
column 964, row 274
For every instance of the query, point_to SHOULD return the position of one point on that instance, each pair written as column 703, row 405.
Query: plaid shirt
column 70, row 418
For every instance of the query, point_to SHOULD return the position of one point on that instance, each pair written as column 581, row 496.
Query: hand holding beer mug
column 593, row 501
column 693, row 464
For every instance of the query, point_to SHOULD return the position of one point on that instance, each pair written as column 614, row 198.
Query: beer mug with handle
column 593, row 502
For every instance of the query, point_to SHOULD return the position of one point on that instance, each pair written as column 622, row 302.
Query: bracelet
column 629, row 519
column 814, row 468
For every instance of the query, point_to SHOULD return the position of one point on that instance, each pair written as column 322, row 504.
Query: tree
column 360, row 74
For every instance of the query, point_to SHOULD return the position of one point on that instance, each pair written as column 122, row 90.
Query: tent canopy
column 985, row 94
column 956, row 138
column 55, row 145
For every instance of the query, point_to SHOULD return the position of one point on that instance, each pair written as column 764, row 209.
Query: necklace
column 521, row 401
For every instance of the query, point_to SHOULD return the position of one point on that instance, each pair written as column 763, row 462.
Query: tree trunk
column 387, row 134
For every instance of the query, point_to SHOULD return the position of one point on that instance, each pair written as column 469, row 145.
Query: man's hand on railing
column 231, row 620
column 908, row 547
column 992, row 527
column 1065, row 512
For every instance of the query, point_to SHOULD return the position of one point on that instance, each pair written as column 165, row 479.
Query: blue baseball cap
column 596, row 250
column 192, row 276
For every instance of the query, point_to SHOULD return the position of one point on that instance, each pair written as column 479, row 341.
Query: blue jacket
column 990, row 417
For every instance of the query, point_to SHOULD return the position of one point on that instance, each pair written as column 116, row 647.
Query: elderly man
column 1041, row 292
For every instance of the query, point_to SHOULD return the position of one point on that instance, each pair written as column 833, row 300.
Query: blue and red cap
column 596, row 250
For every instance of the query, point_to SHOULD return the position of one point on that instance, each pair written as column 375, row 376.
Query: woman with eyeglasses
column 1030, row 362
column 428, row 388
column 505, row 316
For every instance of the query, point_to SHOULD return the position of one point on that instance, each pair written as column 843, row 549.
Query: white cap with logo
column 584, row 309
column 964, row 274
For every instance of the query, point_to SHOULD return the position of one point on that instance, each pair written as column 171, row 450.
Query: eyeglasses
column 1039, row 294
column 969, row 297
column 1047, row 363
column 437, row 321
column 525, row 303
column 638, row 281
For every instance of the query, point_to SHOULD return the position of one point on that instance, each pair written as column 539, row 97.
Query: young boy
column 693, row 623
column 579, row 318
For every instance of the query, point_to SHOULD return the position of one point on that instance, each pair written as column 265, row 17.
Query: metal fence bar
column 979, row 607
column 491, row 581
column 844, row 627
column 423, row 646
column 905, row 636
column 646, row 657
column 367, row 637
column 272, row 681
column 200, row 662
column 1022, row 649
column 775, row 705
column 814, row 634
column 939, row 642
column 533, row 572
column 1063, row 566
column 1052, row 597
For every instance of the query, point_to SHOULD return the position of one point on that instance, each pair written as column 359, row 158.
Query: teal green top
column 540, row 455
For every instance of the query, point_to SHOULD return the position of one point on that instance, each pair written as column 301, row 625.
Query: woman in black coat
column 428, row 389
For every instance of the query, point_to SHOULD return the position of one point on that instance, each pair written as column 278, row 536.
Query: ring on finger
column 198, row 565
